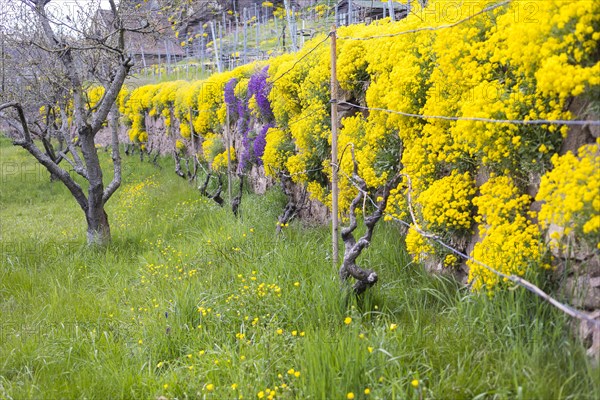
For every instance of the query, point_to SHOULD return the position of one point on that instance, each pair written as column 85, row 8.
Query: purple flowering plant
column 253, row 142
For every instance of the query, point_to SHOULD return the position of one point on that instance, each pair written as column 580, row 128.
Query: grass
column 190, row 302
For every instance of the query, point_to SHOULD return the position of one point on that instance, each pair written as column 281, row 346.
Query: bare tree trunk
column 178, row 170
column 217, row 195
column 291, row 208
column 98, row 231
column 237, row 200
column 353, row 248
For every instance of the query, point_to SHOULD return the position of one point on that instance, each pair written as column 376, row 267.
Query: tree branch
column 116, row 157
column 44, row 159
column 110, row 96
column 77, row 164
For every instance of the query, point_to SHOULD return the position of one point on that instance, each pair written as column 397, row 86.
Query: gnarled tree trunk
column 365, row 278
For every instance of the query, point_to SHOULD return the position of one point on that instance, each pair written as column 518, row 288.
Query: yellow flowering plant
column 571, row 194
column 501, row 64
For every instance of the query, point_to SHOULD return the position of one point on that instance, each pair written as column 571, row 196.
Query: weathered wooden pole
column 392, row 12
column 245, row 17
column 290, row 21
column 257, row 24
column 217, row 57
column 334, row 152
column 228, row 134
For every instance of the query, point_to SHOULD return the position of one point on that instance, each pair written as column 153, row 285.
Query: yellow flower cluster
column 215, row 152
column 94, row 95
column 212, row 146
column 197, row 106
column 510, row 243
column 571, row 193
column 219, row 163
column 417, row 245
column 300, row 102
column 277, row 150
column 446, row 204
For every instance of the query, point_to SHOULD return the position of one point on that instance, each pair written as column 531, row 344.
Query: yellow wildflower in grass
column 350, row 396
column 367, row 391
column 393, row 327
column 348, row 320
column 415, row 383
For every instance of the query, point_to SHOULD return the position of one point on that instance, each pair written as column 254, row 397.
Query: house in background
column 159, row 46
column 364, row 11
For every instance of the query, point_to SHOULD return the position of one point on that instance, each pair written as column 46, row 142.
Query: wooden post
column 143, row 61
column 159, row 71
column 245, row 17
column 334, row 150
column 168, row 57
column 392, row 12
column 221, row 46
column 202, row 47
column 228, row 134
column 257, row 15
column 350, row 19
column 290, row 21
column 217, row 58
column 236, row 44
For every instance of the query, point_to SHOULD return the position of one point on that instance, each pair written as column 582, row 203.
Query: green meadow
column 190, row 302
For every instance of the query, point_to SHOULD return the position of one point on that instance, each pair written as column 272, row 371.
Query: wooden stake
column 217, row 58
column 334, row 155
column 290, row 21
column 228, row 133
column 245, row 16
column 392, row 12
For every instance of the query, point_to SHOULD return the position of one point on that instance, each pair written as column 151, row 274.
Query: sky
column 61, row 10
column 75, row 7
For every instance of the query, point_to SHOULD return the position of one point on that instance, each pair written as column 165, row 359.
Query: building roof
column 374, row 4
